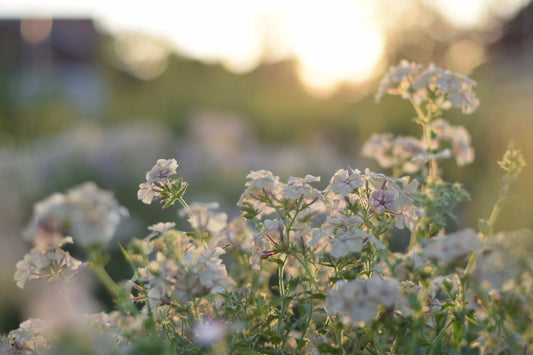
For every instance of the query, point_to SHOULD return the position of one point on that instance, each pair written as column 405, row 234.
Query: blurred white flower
column 94, row 214
column 203, row 217
column 49, row 222
column 351, row 241
column 160, row 228
column 449, row 247
column 32, row 336
column 52, row 264
column 209, row 333
column 357, row 301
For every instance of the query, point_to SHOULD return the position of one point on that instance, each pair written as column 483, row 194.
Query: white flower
column 208, row 333
column 345, row 244
column 398, row 79
column 448, row 89
column 203, row 217
column 94, row 214
column 383, row 200
column 297, row 188
column 160, row 228
column 31, row 336
column 345, row 181
column 161, row 171
column 351, row 241
column 51, row 264
column 48, row 222
column 358, row 300
column 155, row 178
column 458, row 138
column 261, row 187
column 447, row 248
column 148, row 192
column 196, row 272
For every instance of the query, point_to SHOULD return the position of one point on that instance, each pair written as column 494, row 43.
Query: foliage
column 303, row 270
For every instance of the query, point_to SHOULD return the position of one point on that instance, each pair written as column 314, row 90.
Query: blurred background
column 99, row 90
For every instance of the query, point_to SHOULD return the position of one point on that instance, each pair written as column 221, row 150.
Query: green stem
column 424, row 120
column 97, row 266
column 282, row 296
column 504, row 192
column 307, row 271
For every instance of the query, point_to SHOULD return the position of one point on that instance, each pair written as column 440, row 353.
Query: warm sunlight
column 333, row 42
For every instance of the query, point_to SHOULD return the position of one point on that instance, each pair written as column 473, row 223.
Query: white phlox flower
column 94, row 214
column 265, row 240
column 448, row 89
column 358, row 300
column 297, row 188
column 459, row 139
column 160, row 229
column 448, row 248
column 209, row 333
column 49, row 222
column 51, row 264
column 203, row 217
column 352, row 241
column 162, row 170
column 382, row 200
column 345, row 181
column 260, row 183
column 31, row 336
column 157, row 176
column 198, row 271
column 398, row 79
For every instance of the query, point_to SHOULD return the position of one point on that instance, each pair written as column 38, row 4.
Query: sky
column 332, row 41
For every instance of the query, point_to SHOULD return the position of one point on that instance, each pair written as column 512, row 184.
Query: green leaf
column 276, row 260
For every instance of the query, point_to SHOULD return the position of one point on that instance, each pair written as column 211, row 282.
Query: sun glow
column 334, row 42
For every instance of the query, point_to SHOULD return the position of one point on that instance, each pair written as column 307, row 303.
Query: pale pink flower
column 48, row 222
column 160, row 228
column 209, row 333
column 344, row 181
column 297, row 188
column 203, row 217
column 94, row 214
column 351, row 241
column 450, row 247
column 148, row 192
column 382, row 200
column 161, row 171
column 155, row 179
column 459, row 139
column 50, row 264
column 31, row 336
column 358, row 300
column 398, row 79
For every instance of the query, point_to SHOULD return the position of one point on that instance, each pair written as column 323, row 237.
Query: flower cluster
column 91, row 215
column 445, row 89
column 411, row 154
column 181, row 269
column 448, row 248
column 358, row 300
column 156, row 179
column 305, row 269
